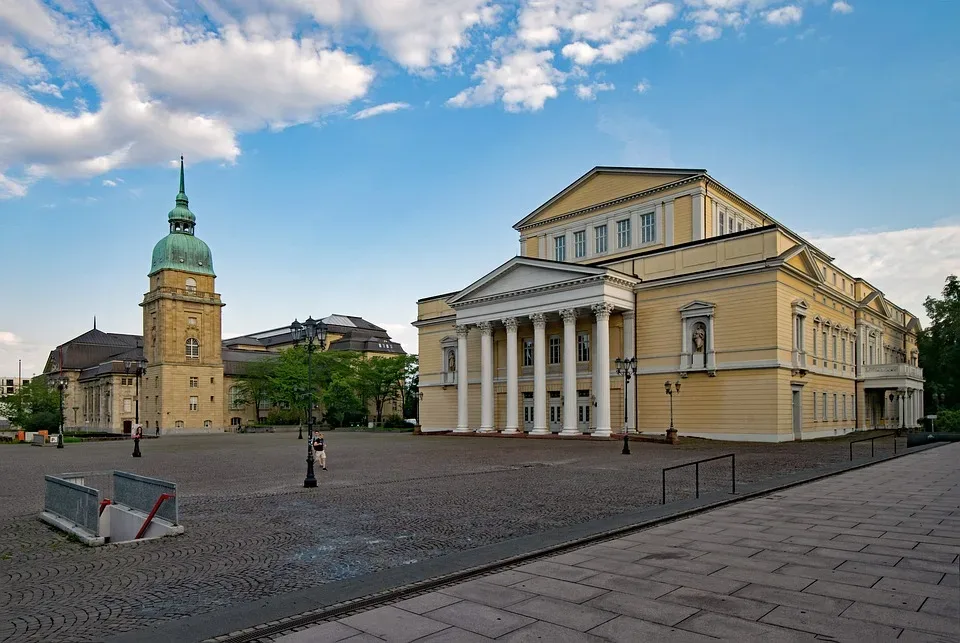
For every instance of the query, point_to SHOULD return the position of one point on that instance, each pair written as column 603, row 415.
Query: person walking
column 319, row 452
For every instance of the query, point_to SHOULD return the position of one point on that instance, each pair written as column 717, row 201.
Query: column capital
column 486, row 328
column 569, row 315
column 462, row 330
column 539, row 320
column 602, row 311
column 510, row 323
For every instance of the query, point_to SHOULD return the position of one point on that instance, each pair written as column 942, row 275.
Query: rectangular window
column 560, row 248
column 730, row 223
column 623, row 233
column 583, row 347
column 843, row 354
column 739, row 225
column 580, row 244
column 834, row 347
column 835, row 416
column 823, row 400
column 814, row 341
column 723, row 227
column 194, row 403
column 194, row 382
column 528, row 352
column 191, row 321
column 844, row 406
column 127, row 405
column 554, row 350
column 600, row 235
column 814, row 406
column 823, row 336
column 648, row 228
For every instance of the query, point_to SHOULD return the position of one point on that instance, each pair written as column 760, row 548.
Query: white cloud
column 879, row 257
column 385, row 108
column 523, row 80
column 17, row 59
column 678, row 37
column 589, row 92
column 9, row 339
column 707, row 33
column 642, row 87
column 791, row 14
column 107, row 183
column 842, row 7
column 45, row 88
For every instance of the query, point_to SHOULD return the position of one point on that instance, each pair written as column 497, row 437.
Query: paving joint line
column 361, row 604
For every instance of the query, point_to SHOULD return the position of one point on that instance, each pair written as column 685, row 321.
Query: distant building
column 9, row 386
column 191, row 379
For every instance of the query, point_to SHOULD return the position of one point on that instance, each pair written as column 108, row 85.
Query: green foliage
column 341, row 402
column 384, row 378
column 282, row 417
column 948, row 421
column 34, row 407
column 396, row 421
column 939, row 347
column 255, row 385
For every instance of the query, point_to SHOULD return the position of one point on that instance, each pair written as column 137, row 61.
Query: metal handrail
column 696, row 465
column 871, row 439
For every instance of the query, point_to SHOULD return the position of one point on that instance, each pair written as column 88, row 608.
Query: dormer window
column 191, row 284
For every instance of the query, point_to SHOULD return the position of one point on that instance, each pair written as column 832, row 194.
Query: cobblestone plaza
column 387, row 500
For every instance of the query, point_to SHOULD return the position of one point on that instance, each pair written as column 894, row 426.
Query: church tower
column 183, row 383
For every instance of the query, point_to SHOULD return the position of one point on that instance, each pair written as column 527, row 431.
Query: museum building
column 190, row 381
column 768, row 337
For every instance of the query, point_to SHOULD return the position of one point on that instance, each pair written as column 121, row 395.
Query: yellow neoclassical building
column 770, row 339
column 191, row 377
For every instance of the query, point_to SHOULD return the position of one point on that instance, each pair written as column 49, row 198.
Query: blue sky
column 352, row 156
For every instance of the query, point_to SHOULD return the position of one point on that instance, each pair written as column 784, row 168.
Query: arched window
column 193, row 348
column 191, row 284
column 236, row 397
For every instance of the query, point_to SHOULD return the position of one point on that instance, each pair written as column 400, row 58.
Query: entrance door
column 527, row 412
column 556, row 413
column 127, row 426
column 797, row 416
column 583, row 414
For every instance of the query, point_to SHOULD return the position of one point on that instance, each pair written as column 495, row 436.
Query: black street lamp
column 135, row 367
column 315, row 333
column 62, row 384
column 671, row 389
column 627, row 368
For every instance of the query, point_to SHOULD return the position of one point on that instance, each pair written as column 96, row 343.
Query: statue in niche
column 699, row 337
column 451, row 362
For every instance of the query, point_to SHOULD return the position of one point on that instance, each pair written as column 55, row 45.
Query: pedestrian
column 158, row 429
column 319, row 452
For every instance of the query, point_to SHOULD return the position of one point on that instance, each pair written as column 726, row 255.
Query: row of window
column 840, row 406
column 555, row 349
column 648, row 234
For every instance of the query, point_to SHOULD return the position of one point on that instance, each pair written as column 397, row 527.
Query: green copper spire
column 181, row 250
column 181, row 218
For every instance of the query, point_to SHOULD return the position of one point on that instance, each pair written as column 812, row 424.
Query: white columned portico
column 512, row 391
column 463, row 383
column 486, row 377
column 539, row 375
column 569, row 316
column 629, row 350
column 602, row 312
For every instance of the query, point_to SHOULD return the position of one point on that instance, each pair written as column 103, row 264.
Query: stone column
column 463, row 383
column 602, row 312
column 629, row 350
column 595, row 374
column 512, row 390
column 486, row 377
column 569, row 316
column 539, row 375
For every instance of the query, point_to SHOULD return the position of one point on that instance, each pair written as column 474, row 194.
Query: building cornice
column 572, row 284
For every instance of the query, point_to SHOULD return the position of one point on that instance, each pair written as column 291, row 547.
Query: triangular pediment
column 800, row 258
column 523, row 273
column 876, row 302
column 604, row 184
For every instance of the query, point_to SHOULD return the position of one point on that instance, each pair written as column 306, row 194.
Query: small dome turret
column 181, row 249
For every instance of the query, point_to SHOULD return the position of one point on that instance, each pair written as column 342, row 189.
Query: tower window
column 193, row 348
column 194, row 403
column 194, row 382
column 191, row 284
column 191, row 321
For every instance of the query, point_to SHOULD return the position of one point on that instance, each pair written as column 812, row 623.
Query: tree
column 34, row 407
column 383, row 378
column 256, row 386
column 411, row 389
column 340, row 402
column 939, row 347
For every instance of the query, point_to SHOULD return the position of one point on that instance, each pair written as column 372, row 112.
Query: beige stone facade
column 769, row 337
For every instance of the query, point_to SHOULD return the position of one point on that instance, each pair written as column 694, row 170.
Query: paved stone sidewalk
column 869, row 555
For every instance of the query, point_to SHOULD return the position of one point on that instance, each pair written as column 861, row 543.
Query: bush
column 281, row 417
column 948, row 421
column 395, row 421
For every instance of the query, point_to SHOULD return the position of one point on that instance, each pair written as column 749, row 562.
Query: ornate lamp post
column 671, row 389
column 62, row 384
column 627, row 368
column 315, row 334
column 136, row 368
